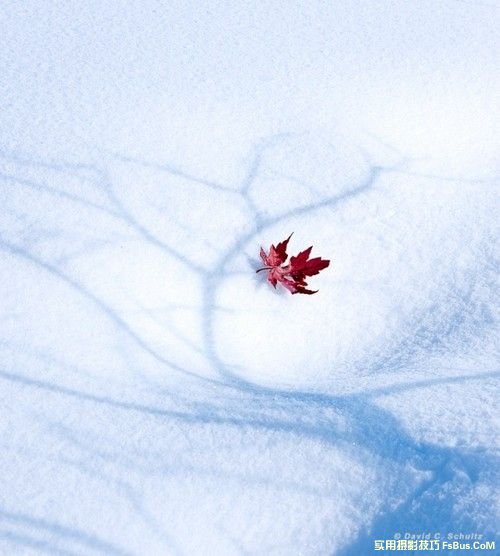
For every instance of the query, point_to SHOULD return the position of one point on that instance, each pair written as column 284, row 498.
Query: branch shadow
column 228, row 399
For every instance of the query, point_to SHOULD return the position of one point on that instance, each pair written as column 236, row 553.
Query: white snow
column 157, row 395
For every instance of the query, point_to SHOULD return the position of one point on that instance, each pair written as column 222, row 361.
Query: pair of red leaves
column 293, row 275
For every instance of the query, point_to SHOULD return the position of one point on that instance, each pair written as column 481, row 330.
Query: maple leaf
column 293, row 275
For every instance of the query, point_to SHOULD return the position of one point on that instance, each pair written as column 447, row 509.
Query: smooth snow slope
column 157, row 396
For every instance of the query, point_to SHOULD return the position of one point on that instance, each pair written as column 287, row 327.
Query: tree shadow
column 227, row 398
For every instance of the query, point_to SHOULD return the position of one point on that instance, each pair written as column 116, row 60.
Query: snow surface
column 157, row 396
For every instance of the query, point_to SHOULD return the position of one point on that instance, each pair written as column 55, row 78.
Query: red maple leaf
column 293, row 275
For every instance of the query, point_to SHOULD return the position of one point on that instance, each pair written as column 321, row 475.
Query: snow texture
column 158, row 397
